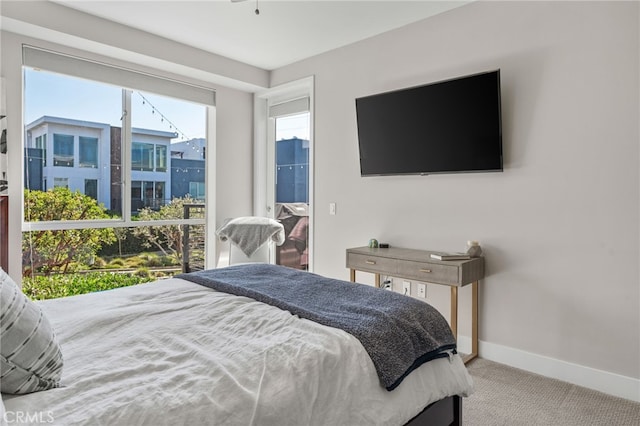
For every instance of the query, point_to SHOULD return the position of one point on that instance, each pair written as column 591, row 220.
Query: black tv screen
column 450, row 126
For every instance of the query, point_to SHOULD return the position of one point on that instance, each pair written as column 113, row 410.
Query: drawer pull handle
column 370, row 262
column 428, row 271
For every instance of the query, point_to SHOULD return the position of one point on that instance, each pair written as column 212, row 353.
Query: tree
column 55, row 251
column 166, row 238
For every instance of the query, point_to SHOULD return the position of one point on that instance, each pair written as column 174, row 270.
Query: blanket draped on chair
column 249, row 233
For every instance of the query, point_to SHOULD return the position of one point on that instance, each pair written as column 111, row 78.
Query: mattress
column 173, row 352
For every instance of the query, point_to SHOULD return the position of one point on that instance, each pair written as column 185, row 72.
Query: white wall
column 560, row 225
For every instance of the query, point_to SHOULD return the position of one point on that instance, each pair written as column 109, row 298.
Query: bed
column 178, row 352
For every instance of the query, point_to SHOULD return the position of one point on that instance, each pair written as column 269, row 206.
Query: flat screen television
column 451, row 126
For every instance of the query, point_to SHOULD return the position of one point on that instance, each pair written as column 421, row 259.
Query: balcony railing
column 193, row 239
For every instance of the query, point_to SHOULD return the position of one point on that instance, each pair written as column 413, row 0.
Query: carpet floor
column 509, row 396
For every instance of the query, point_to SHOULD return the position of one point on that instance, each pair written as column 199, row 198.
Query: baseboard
column 599, row 380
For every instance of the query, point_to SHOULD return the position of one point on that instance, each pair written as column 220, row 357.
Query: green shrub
column 143, row 273
column 116, row 263
column 170, row 261
column 134, row 262
column 99, row 263
column 63, row 285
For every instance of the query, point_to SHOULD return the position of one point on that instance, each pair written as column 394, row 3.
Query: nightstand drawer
column 429, row 272
column 376, row 264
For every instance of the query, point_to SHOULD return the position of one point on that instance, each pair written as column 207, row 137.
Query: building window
column 88, row 152
column 147, row 194
column 159, row 194
column 60, row 182
column 196, row 190
column 142, row 156
column 41, row 144
column 91, row 188
column 62, row 150
column 161, row 158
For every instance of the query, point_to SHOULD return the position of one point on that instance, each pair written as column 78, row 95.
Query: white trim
column 580, row 375
column 261, row 118
column 210, row 188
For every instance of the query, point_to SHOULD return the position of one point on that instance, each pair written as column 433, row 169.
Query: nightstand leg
column 352, row 275
column 454, row 311
column 377, row 281
column 474, row 321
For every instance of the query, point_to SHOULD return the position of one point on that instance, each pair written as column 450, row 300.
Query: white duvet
column 176, row 353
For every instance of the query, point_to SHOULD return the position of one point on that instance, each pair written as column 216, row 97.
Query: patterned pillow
column 30, row 359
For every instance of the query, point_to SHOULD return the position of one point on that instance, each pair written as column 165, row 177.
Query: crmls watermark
column 26, row 417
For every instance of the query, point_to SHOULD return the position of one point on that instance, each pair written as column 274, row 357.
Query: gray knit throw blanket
column 399, row 333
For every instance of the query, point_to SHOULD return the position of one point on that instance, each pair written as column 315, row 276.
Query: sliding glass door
column 291, row 187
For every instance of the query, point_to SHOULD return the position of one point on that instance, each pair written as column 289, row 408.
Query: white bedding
column 174, row 352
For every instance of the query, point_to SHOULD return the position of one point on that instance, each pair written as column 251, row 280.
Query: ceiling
column 284, row 32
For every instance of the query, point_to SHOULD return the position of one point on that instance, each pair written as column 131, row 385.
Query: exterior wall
column 42, row 173
column 183, row 172
column 76, row 175
column 292, row 171
column 194, row 149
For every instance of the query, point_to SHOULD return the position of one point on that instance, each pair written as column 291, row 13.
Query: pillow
column 30, row 356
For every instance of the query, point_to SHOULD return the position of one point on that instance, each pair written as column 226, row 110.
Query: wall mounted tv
column 451, row 126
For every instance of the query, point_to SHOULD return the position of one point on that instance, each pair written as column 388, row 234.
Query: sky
column 69, row 97
column 57, row 95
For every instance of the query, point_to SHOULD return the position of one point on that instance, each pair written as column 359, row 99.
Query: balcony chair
column 250, row 239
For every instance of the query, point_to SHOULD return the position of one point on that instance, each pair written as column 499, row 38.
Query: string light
column 163, row 118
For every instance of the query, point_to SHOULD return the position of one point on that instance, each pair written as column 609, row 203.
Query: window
column 147, row 188
column 91, row 188
column 62, row 150
column 147, row 194
column 61, row 182
column 88, row 152
column 110, row 144
column 142, row 156
column 196, row 190
column 159, row 194
column 41, row 144
column 161, row 158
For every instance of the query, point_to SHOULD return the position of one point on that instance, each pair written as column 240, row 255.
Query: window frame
column 95, row 144
column 102, row 71
column 59, row 144
column 41, row 143
column 57, row 180
column 200, row 189
column 97, row 188
column 142, row 150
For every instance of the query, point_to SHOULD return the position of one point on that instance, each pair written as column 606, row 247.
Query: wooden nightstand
column 418, row 265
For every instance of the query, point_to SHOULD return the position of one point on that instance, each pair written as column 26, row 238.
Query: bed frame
column 446, row 412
